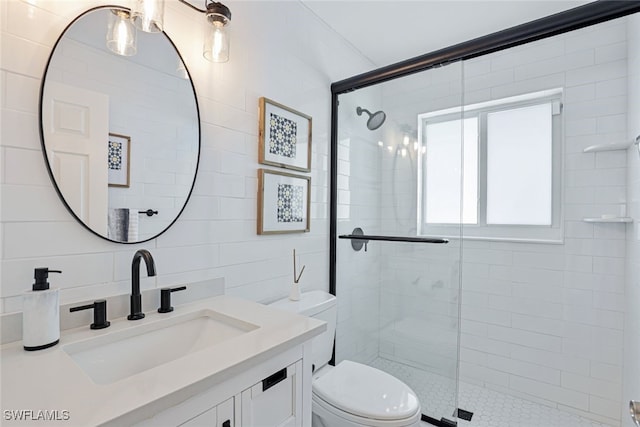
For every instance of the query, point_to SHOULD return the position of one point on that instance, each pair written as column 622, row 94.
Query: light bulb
column 415, row 145
column 380, row 144
column 121, row 34
column 216, row 45
column 405, row 140
column 404, row 152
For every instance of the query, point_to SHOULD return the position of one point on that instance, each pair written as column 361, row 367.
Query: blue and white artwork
column 282, row 136
column 290, row 203
column 115, row 155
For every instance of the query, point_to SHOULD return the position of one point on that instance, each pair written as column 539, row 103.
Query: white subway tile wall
column 279, row 50
column 562, row 337
column 631, row 373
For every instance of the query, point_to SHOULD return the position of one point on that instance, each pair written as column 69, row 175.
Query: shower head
column 375, row 120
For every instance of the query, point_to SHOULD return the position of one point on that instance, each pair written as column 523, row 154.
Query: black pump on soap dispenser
column 41, row 275
column 41, row 313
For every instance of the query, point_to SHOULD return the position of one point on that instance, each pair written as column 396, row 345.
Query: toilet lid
column 366, row 392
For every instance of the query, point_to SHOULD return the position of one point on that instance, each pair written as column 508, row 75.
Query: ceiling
column 390, row 31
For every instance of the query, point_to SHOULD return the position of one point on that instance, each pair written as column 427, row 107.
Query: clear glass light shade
column 216, row 43
column 121, row 34
column 148, row 15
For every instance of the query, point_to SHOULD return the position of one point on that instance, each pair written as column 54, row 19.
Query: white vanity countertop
column 51, row 380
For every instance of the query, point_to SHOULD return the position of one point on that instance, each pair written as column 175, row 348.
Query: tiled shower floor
column 490, row 408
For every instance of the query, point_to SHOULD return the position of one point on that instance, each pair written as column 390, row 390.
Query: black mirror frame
column 44, row 151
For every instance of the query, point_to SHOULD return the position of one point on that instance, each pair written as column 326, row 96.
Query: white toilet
column 350, row 394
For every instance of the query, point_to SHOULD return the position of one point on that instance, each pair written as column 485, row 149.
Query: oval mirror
column 120, row 134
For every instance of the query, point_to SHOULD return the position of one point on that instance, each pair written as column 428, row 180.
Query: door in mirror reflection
column 75, row 125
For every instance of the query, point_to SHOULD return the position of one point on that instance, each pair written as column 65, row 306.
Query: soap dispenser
column 41, row 313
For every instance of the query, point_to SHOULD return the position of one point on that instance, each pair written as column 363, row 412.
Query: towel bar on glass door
column 393, row 238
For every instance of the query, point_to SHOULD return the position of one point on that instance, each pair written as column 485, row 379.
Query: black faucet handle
column 99, row 313
column 165, row 298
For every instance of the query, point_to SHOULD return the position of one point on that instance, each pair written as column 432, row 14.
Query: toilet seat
column 366, row 395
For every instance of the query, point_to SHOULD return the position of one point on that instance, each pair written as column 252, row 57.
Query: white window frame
column 553, row 233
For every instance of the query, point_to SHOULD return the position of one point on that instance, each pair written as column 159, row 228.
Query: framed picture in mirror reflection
column 284, row 136
column 119, row 156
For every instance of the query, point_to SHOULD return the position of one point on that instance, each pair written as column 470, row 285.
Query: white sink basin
column 114, row 356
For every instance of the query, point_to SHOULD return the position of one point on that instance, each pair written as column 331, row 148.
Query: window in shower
column 509, row 153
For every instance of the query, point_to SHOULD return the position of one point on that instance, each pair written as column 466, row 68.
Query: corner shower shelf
column 609, row 220
column 607, row 147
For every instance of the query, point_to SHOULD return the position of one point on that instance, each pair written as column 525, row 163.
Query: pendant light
column 148, row 15
column 121, row 34
column 216, row 43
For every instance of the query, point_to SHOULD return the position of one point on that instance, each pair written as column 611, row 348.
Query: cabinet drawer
column 276, row 400
column 206, row 419
column 218, row 416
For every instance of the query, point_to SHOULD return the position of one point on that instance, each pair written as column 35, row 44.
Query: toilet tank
column 319, row 305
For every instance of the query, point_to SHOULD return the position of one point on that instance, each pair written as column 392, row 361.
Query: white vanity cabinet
column 276, row 400
column 275, row 393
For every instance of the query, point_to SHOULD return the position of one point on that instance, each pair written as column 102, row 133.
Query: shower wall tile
column 592, row 37
column 581, row 93
column 553, row 393
column 606, row 407
column 631, row 387
column 525, row 369
column 562, row 362
column 593, row 386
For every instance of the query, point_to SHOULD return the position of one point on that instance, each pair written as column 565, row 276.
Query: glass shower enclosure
column 398, row 283
column 405, row 198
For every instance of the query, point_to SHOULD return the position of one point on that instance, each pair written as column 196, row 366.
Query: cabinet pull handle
column 274, row 379
column 226, row 423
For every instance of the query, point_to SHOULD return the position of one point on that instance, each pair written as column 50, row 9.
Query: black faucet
column 136, row 298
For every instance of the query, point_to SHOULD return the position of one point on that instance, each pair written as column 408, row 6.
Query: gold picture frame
column 119, row 154
column 284, row 202
column 284, row 136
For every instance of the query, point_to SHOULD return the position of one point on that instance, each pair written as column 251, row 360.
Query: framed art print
column 285, row 136
column 119, row 152
column 283, row 202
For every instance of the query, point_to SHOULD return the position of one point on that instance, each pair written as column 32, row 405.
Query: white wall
column 631, row 377
column 279, row 50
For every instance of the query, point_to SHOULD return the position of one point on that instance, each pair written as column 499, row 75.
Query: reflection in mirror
column 121, row 134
